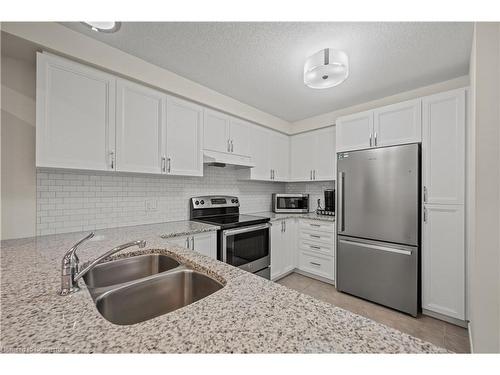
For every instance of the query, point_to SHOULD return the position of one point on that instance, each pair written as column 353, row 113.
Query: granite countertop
column 248, row 315
column 310, row 215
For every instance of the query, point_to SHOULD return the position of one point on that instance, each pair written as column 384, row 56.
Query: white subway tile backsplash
column 77, row 201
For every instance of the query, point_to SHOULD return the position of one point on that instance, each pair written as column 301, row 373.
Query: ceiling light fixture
column 326, row 68
column 103, row 26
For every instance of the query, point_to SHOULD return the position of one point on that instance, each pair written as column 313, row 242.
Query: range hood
column 222, row 159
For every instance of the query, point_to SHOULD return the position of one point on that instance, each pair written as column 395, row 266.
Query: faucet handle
column 71, row 253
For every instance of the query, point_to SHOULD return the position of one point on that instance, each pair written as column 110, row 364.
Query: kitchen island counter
column 248, row 315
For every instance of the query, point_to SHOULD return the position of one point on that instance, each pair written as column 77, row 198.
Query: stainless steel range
column 243, row 240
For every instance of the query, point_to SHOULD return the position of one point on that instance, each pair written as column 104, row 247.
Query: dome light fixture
column 326, row 68
column 103, row 26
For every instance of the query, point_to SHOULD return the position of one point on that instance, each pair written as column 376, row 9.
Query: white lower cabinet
column 204, row 243
column 443, row 260
column 303, row 245
column 283, row 253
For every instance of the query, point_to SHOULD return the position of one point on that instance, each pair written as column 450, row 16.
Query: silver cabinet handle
column 375, row 139
column 370, row 139
column 169, row 164
column 284, row 224
column 315, row 264
column 341, row 202
column 271, row 174
column 311, row 174
column 425, row 194
column 232, row 146
column 425, row 214
column 187, row 242
column 274, row 174
column 228, row 146
column 315, row 225
column 112, row 157
column 376, row 247
column 315, row 236
column 315, row 247
column 163, row 164
column 314, row 174
column 192, row 243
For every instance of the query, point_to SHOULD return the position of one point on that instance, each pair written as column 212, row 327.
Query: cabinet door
column 277, row 249
column 290, row 245
column 75, row 115
column 355, row 132
column 215, row 131
column 279, row 151
column 443, row 260
column 239, row 131
column 184, row 138
column 259, row 152
column 179, row 241
column 325, row 157
column 205, row 243
column 140, row 128
column 398, row 124
column 302, row 150
column 443, row 147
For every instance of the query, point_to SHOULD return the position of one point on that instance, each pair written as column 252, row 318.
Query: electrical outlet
column 151, row 204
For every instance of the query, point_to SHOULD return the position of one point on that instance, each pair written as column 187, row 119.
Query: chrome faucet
column 70, row 273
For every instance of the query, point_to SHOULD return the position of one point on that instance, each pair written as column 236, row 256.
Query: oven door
column 248, row 248
column 291, row 203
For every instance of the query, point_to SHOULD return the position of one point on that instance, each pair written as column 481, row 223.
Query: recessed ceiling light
column 103, row 26
column 326, row 68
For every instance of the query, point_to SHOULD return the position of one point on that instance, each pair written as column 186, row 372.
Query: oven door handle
column 232, row 232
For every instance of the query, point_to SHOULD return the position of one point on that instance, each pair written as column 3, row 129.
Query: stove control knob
column 232, row 200
column 236, row 201
column 202, row 201
column 196, row 202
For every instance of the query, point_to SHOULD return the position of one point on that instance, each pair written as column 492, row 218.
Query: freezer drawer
column 380, row 272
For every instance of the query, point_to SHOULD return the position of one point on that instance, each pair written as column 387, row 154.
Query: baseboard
column 313, row 276
column 469, row 328
column 457, row 322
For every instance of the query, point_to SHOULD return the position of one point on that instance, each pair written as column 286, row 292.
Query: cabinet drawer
column 317, row 236
column 316, row 247
column 317, row 225
column 319, row 265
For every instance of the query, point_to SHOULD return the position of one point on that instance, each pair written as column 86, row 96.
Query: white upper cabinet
column 302, row 156
column 260, row 153
column 443, row 147
column 140, row 128
column 354, row 132
column 279, row 150
column 239, row 131
column 325, row 155
column 75, row 115
column 184, row 140
column 313, row 155
column 398, row 124
column 216, row 131
column 443, row 260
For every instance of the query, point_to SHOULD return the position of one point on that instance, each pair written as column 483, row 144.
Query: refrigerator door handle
column 377, row 247
column 341, row 202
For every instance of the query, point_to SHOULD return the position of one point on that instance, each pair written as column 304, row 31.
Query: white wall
column 484, row 240
column 18, row 178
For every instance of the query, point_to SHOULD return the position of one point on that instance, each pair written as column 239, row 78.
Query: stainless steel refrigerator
column 378, row 225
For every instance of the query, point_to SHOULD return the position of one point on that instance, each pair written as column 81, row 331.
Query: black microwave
column 290, row 203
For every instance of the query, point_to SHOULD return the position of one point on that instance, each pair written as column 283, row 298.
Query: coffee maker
column 329, row 209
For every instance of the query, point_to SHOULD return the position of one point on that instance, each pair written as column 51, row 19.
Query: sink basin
column 128, row 269
column 147, row 299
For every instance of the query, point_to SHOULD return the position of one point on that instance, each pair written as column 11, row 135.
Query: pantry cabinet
column 184, row 140
column 394, row 124
column 75, row 115
column 283, row 247
column 204, row 243
column 140, row 128
column 313, row 155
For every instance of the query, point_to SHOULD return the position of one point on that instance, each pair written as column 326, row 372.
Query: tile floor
column 440, row 333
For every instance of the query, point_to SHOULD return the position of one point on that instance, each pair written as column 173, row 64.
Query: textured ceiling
column 261, row 64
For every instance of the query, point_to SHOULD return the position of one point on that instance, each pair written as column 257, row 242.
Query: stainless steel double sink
column 139, row 288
